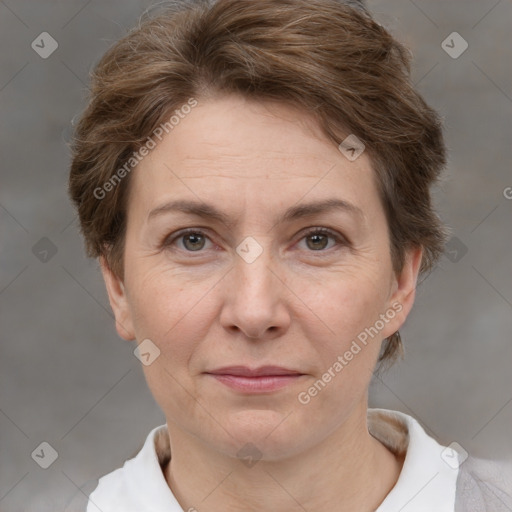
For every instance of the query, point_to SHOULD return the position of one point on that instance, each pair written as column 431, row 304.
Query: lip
column 258, row 380
column 245, row 371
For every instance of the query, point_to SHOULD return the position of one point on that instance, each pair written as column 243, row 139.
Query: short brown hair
column 328, row 58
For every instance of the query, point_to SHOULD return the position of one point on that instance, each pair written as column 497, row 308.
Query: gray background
column 66, row 377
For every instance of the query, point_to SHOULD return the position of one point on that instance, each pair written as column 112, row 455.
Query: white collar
column 426, row 482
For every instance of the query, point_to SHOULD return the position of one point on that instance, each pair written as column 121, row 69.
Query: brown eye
column 317, row 239
column 192, row 240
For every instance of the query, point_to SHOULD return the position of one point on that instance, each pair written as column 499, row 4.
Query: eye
column 193, row 240
column 317, row 239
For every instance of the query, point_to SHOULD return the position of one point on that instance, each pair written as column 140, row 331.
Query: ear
column 404, row 290
column 118, row 301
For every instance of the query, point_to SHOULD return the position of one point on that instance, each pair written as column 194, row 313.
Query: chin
column 264, row 432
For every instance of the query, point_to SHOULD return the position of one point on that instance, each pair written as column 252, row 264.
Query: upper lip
column 244, row 371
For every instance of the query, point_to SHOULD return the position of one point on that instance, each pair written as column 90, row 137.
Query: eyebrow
column 209, row 211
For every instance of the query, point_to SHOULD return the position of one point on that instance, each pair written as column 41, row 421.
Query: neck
column 330, row 476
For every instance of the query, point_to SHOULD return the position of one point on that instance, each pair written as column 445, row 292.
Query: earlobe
column 404, row 294
column 118, row 301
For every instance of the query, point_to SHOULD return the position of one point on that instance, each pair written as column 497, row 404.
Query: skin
column 299, row 305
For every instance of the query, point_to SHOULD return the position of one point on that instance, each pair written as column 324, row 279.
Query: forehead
column 233, row 149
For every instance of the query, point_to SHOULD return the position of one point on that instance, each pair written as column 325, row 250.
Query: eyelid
column 340, row 239
column 176, row 235
column 325, row 231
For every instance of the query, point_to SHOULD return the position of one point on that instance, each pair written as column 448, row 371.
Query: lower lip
column 256, row 384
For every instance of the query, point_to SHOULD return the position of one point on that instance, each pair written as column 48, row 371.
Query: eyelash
column 339, row 239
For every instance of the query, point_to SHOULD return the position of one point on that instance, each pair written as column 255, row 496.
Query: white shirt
column 427, row 481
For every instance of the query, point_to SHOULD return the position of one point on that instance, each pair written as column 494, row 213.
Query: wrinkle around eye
column 175, row 243
column 171, row 240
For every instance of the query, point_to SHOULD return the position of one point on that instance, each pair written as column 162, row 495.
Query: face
column 268, row 281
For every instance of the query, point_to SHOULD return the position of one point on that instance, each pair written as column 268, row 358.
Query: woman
column 254, row 178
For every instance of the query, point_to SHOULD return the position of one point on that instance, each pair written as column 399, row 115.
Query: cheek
column 342, row 310
column 346, row 354
column 176, row 317
column 173, row 312
column 343, row 303
column 158, row 294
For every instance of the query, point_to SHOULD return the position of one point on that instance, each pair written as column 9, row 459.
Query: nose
column 254, row 300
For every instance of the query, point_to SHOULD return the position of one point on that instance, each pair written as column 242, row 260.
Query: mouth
column 258, row 380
